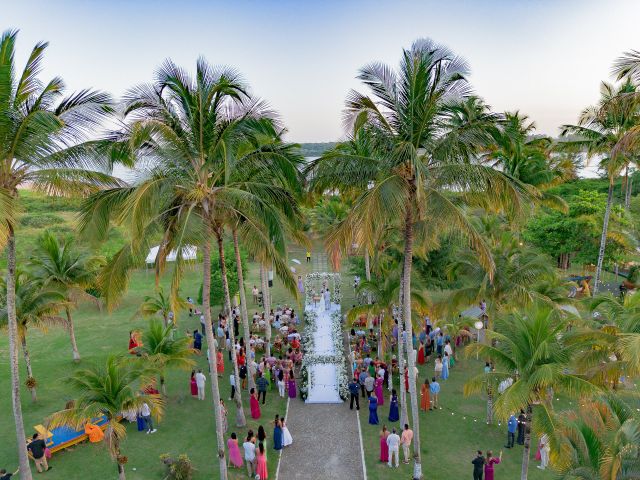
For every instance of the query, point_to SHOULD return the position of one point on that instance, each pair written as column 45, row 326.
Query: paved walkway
column 325, row 445
column 326, row 442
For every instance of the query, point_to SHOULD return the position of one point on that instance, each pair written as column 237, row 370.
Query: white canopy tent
column 188, row 253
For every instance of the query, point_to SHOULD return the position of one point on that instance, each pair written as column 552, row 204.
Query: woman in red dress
column 133, row 342
column 219, row 363
column 194, row 385
column 421, row 354
column 384, row 448
column 255, row 405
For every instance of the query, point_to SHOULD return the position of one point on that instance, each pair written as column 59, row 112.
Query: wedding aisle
column 323, row 362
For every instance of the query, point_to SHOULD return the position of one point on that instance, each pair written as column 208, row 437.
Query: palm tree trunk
column 25, row 469
column 72, row 336
column 603, row 237
column 116, row 450
column 243, row 304
column 27, row 361
column 629, row 191
column 406, row 310
column 367, row 272
column 206, row 307
column 527, row 444
column 266, row 303
column 240, row 419
column 404, row 416
column 489, row 406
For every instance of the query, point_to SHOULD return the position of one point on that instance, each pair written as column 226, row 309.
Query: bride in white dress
column 287, row 439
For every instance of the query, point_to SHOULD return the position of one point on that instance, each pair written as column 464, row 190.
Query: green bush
column 179, row 468
column 41, row 220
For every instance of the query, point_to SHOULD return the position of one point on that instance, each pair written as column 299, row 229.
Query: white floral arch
column 314, row 282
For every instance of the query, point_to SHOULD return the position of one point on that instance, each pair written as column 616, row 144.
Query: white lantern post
column 478, row 325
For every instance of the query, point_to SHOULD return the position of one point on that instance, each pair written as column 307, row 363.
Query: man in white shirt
column 200, row 380
column 393, row 442
column 448, row 349
column 145, row 413
column 250, row 456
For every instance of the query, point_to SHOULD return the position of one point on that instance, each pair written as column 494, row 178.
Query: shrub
column 179, row 468
column 41, row 220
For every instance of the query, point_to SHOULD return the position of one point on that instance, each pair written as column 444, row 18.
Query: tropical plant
column 427, row 128
column 599, row 441
column 384, row 296
column 529, row 157
column 518, row 269
column 196, row 131
column 160, row 303
column 61, row 265
column 603, row 131
column 36, row 307
column 611, row 339
column 161, row 351
column 40, row 135
column 109, row 390
column 529, row 347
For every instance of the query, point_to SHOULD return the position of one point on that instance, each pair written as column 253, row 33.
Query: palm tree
column 518, row 270
column 108, row 390
column 427, row 128
column 40, row 133
column 160, row 303
column 605, row 131
column 612, row 335
column 36, row 307
column 61, row 265
column 599, row 441
column 189, row 136
column 161, row 351
column 531, row 158
column 530, row 348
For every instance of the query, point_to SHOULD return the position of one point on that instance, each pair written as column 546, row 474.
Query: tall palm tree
column 427, row 129
column 37, row 306
column 529, row 347
column 604, row 131
column 61, row 265
column 111, row 390
column 161, row 351
column 40, row 131
column 188, row 135
column 599, row 441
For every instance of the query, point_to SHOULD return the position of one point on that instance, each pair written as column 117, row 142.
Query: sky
column 545, row 58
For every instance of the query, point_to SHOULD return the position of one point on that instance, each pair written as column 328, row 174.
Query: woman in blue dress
column 445, row 366
column 373, row 410
column 277, row 434
column 394, row 415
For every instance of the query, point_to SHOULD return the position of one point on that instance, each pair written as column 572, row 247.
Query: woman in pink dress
column 261, row 466
column 255, row 405
column 489, row 462
column 384, row 448
column 194, row 385
column 378, row 389
column 235, row 457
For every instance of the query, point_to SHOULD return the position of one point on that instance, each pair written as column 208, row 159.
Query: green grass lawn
column 188, row 424
column 450, row 436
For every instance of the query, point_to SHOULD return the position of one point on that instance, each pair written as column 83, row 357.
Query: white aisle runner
column 324, row 385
